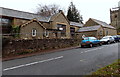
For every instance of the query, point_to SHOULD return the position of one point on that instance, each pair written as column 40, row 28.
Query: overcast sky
column 97, row 9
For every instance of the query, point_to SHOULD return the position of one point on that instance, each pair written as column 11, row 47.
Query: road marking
column 86, row 51
column 82, row 60
column 28, row 64
column 93, row 49
column 81, row 52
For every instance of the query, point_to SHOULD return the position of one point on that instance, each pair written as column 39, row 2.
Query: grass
column 112, row 70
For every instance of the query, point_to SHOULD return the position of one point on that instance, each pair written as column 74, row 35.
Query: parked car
column 116, row 38
column 107, row 40
column 90, row 42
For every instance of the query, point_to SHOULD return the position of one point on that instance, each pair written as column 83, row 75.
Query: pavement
column 75, row 61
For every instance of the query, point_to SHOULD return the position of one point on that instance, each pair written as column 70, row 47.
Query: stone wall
column 108, row 31
column 18, row 22
column 18, row 47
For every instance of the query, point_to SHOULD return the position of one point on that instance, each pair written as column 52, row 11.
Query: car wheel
column 91, row 45
column 100, row 44
column 108, row 42
column 82, row 46
column 114, row 41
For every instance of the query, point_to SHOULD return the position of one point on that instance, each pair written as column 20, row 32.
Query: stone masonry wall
column 18, row 47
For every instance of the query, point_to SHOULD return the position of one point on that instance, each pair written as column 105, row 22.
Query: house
column 107, row 29
column 57, row 25
column 12, row 18
column 74, row 27
column 32, row 29
column 93, row 31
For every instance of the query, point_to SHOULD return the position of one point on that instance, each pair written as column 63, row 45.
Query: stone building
column 57, row 26
column 96, row 28
column 115, row 18
column 32, row 29
column 74, row 27
column 91, row 31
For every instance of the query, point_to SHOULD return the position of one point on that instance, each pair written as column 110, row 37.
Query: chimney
column 60, row 11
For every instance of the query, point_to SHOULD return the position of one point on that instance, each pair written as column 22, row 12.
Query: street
column 79, row 61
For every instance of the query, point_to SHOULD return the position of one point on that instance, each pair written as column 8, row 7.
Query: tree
column 73, row 14
column 48, row 10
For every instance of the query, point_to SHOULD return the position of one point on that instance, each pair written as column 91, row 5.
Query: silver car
column 107, row 39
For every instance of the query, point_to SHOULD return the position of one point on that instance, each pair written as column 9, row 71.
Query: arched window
column 34, row 32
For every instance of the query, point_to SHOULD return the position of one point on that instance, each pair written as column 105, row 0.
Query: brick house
column 57, row 26
column 98, row 31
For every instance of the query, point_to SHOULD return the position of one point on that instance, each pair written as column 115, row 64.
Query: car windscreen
column 90, row 38
column 86, row 38
column 105, row 37
column 115, row 36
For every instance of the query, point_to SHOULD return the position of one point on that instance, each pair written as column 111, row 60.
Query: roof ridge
column 89, row 28
column 92, row 26
column 104, row 24
column 18, row 10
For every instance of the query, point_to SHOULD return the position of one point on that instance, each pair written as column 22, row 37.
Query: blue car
column 90, row 42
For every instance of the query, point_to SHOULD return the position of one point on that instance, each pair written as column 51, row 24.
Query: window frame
column 34, row 32
column 63, row 32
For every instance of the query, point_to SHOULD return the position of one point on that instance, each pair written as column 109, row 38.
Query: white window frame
column 34, row 32
column 46, row 33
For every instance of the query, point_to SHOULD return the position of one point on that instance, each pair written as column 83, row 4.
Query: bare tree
column 48, row 10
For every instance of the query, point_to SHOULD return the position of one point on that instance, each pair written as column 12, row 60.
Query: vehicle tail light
column 87, row 41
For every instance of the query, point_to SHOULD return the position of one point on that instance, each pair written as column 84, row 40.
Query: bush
column 15, row 31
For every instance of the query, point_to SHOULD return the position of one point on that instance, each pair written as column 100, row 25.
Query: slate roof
column 53, row 16
column 76, row 24
column 90, row 28
column 23, row 15
column 26, row 15
column 104, row 24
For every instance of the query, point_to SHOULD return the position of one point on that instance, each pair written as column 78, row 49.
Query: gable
column 33, row 21
column 59, row 17
column 90, row 22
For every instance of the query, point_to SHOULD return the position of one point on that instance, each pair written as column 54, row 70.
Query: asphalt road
column 79, row 61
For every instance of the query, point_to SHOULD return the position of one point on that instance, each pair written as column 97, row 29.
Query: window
column 100, row 33
column 72, row 31
column 106, row 32
column 6, row 25
column 46, row 33
column 90, row 38
column 34, row 32
column 5, row 21
column 62, row 28
column 93, row 38
column 115, row 16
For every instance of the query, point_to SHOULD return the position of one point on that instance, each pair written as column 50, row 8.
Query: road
column 79, row 61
